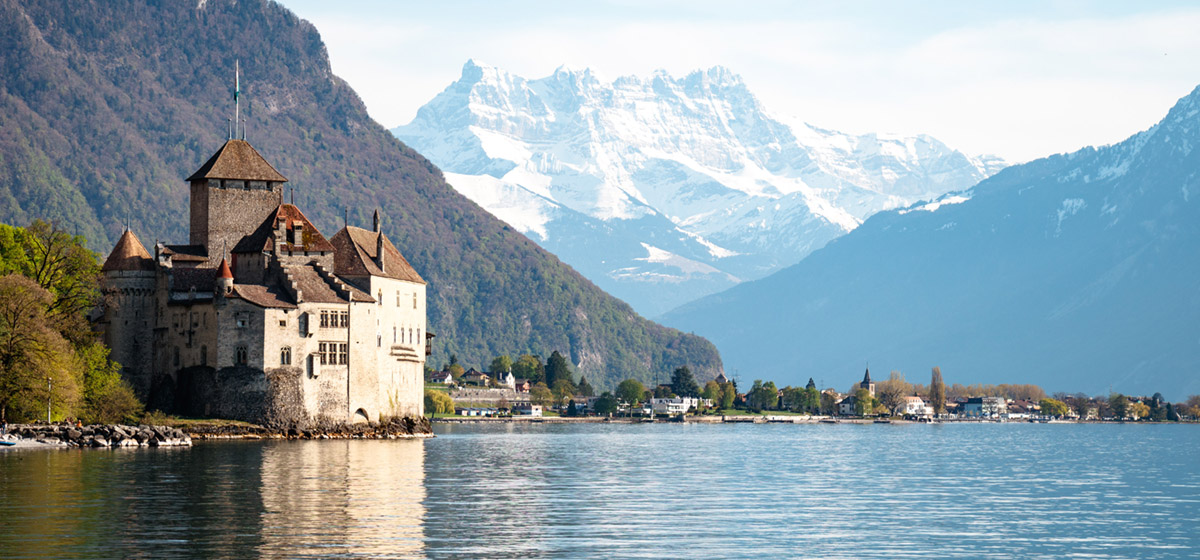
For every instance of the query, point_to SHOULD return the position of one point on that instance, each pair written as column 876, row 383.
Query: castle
column 260, row 317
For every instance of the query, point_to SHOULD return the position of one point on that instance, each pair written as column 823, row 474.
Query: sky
column 1021, row 80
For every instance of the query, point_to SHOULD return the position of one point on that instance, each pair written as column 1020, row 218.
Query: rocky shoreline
column 35, row 436
column 401, row 428
column 99, row 435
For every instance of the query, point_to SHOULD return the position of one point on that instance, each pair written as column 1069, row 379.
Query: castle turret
column 231, row 194
column 128, row 286
column 224, row 284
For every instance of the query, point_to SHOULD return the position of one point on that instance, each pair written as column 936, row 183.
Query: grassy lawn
column 438, row 387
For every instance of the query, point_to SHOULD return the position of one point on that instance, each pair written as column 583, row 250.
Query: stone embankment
column 99, row 435
column 399, row 428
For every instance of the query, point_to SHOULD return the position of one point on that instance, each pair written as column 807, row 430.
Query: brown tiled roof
column 238, row 160
column 202, row 279
column 354, row 255
column 262, row 239
column 312, row 287
column 264, row 296
column 195, row 253
column 128, row 254
column 223, row 270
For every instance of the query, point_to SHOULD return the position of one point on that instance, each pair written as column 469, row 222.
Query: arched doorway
column 360, row 417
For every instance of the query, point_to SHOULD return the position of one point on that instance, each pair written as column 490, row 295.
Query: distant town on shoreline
column 527, row 387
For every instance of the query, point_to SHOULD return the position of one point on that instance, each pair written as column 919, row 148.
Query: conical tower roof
column 867, row 377
column 223, row 270
column 128, row 254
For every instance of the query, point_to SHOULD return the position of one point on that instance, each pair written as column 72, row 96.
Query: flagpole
column 237, row 90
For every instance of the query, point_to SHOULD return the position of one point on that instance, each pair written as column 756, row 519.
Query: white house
column 527, row 409
column 914, row 406
column 674, row 405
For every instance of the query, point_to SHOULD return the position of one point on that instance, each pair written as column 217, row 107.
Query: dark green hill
column 106, row 106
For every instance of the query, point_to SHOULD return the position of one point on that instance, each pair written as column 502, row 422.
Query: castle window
column 378, row 340
column 285, row 356
column 283, row 323
column 214, row 183
column 261, row 185
column 322, row 351
column 235, row 184
column 242, row 319
column 345, row 316
column 418, row 335
column 203, row 355
column 240, row 357
column 414, row 300
column 344, row 353
column 410, row 335
column 394, row 334
column 379, row 298
column 302, row 322
column 324, row 319
column 311, row 365
column 397, row 298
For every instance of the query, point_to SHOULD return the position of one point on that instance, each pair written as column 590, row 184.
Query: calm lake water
column 624, row 491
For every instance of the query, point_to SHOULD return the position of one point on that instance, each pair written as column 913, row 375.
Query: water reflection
column 220, row 500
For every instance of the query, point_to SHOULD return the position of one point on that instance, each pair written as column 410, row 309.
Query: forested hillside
column 107, row 106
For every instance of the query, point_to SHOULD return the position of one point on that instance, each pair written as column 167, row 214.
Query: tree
column 557, row 368
column 762, row 396
column 563, row 389
column 712, row 392
column 811, row 401
column 606, row 404
column 728, row 395
column 663, row 392
column 1053, row 407
column 864, row 403
column 683, row 384
column 501, row 364
column 456, row 370
column 36, row 363
column 62, row 265
column 630, row 391
column 584, row 388
column 828, row 403
column 1138, row 410
column 891, row 391
column 438, row 402
column 1119, row 405
column 793, row 399
column 529, row 366
column 540, row 394
column 937, row 392
column 107, row 398
column 1191, row 407
column 570, row 407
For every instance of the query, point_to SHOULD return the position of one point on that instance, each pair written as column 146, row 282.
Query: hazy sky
column 1021, row 81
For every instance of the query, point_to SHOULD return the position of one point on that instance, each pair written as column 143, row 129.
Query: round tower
column 127, row 325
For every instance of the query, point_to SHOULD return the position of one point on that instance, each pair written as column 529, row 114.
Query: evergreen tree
column 606, row 404
column 529, row 366
column 557, row 368
column 683, row 384
column 585, row 389
column 937, row 392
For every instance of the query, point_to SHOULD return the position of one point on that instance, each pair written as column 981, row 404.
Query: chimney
column 379, row 252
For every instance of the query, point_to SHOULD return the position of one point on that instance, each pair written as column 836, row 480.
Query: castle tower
column 127, row 326
column 231, row 194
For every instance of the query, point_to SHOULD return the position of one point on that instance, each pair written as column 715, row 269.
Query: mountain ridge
column 695, row 167
column 1073, row 271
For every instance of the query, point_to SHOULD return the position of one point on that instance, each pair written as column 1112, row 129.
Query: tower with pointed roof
column 231, row 193
column 867, row 383
column 127, row 327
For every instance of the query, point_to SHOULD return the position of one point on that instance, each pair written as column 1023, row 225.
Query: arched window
column 285, row 356
column 397, row 298
column 239, row 356
column 394, row 337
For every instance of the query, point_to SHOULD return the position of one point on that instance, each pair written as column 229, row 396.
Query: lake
column 624, row 491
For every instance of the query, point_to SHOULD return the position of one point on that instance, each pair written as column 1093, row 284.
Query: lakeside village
column 528, row 389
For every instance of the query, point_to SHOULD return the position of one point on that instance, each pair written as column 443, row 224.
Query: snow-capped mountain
column 1077, row 272
column 662, row 190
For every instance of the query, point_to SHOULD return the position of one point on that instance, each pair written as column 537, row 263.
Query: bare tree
column 937, row 391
